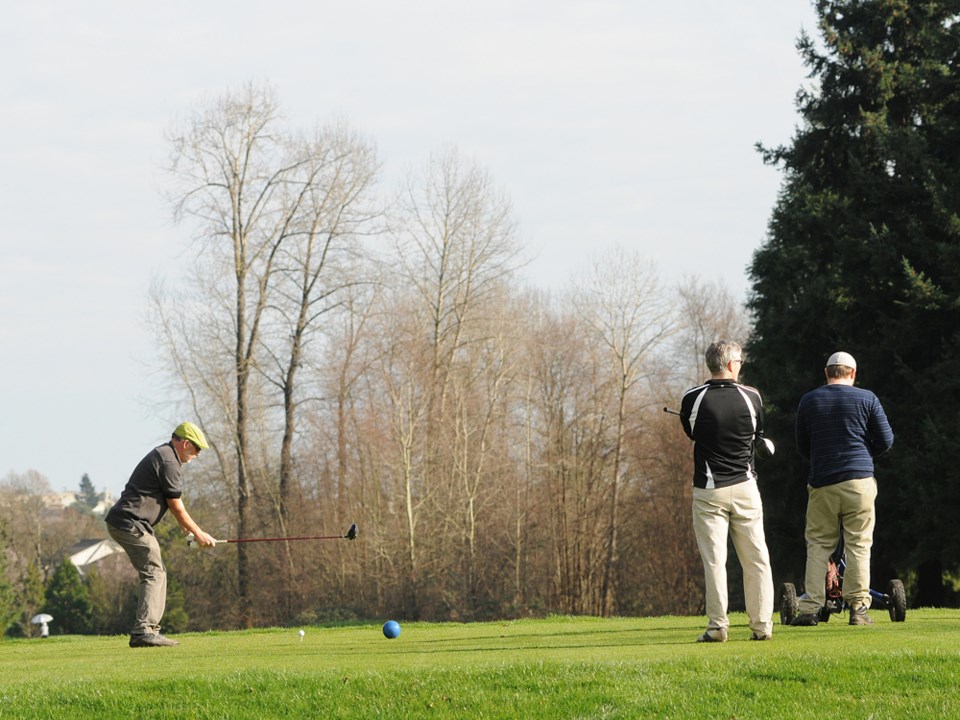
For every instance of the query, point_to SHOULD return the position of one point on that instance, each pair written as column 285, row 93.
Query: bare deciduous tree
column 630, row 315
column 455, row 250
column 707, row 312
column 504, row 453
column 316, row 264
column 269, row 210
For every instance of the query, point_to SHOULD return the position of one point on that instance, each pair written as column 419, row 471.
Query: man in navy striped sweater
column 840, row 430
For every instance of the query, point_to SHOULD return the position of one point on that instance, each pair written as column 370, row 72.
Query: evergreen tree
column 8, row 601
column 863, row 255
column 114, row 606
column 30, row 598
column 68, row 600
column 100, row 607
column 88, row 494
column 175, row 616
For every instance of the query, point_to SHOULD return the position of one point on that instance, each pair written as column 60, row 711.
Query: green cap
column 189, row 431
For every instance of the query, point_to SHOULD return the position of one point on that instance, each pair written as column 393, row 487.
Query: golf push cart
column 894, row 600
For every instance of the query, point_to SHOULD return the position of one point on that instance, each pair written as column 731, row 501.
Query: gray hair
column 720, row 353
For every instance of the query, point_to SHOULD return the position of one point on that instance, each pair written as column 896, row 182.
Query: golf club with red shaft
column 351, row 534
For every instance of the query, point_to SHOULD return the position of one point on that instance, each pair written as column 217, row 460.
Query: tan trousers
column 144, row 552
column 851, row 503
column 736, row 510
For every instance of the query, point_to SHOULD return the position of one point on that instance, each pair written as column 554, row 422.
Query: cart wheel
column 898, row 601
column 825, row 613
column 789, row 605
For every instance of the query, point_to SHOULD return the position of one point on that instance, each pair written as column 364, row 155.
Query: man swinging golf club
column 153, row 488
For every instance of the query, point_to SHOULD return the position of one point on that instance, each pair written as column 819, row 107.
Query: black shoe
column 806, row 620
column 858, row 616
column 156, row 640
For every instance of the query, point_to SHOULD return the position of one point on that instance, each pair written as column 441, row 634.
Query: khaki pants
column 736, row 510
column 851, row 503
column 144, row 552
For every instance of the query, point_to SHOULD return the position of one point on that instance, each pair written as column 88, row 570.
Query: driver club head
column 352, row 532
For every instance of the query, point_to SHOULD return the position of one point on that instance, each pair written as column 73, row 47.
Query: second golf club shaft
column 279, row 539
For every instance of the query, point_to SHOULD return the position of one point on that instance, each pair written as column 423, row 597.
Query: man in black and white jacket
column 725, row 421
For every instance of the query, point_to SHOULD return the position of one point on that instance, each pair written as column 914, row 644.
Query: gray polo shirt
column 143, row 501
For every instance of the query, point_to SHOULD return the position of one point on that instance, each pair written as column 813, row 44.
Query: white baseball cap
column 842, row 358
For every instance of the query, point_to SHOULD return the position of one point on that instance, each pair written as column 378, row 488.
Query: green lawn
column 556, row 668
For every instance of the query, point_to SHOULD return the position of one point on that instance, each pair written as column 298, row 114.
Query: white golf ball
column 301, row 634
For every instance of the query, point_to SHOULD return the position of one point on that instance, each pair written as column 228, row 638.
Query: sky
column 608, row 123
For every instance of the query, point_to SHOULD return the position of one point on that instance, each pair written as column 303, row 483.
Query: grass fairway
column 556, row 668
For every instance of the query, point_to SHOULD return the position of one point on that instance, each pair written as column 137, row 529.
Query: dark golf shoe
column 806, row 620
column 157, row 640
column 858, row 616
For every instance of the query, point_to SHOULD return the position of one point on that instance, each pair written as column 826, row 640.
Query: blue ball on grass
column 391, row 629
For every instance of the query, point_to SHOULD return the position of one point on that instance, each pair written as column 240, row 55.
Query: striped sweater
column 840, row 430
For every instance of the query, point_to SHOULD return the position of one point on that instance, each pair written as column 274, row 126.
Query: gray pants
column 144, row 552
